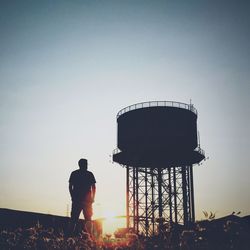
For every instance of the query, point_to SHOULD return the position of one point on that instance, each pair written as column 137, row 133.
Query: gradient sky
column 68, row 67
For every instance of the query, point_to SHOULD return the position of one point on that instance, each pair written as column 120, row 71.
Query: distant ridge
column 10, row 218
column 234, row 218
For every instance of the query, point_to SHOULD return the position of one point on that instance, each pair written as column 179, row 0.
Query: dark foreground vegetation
column 231, row 232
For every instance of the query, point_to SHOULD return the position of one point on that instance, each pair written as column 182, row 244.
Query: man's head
column 83, row 164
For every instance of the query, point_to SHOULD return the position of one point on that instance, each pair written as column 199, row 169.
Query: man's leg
column 88, row 212
column 75, row 213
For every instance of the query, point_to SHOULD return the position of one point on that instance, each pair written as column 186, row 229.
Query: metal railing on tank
column 157, row 104
column 198, row 149
column 116, row 151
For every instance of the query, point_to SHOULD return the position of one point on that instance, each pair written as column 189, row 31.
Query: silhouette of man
column 82, row 190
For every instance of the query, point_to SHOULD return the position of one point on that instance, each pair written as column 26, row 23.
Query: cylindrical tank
column 154, row 128
column 158, row 131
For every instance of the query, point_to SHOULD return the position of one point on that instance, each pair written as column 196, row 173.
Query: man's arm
column 71, row 189
column 93, row 191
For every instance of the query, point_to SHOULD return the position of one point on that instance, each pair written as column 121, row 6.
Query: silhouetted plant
column 210, row 215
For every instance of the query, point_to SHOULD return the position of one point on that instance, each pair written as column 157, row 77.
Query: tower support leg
column 164, row 193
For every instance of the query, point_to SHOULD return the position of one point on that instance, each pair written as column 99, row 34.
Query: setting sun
column 112, row 221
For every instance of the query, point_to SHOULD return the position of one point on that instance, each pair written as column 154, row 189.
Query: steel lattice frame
column 154, row 193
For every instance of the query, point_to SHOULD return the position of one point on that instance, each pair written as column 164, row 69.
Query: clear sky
column 68, row 67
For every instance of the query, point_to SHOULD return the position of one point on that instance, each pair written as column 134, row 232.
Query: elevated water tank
column 158, row 134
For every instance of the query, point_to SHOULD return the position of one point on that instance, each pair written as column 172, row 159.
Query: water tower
column 158, row 145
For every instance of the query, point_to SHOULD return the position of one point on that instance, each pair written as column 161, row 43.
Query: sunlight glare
column 111, row 222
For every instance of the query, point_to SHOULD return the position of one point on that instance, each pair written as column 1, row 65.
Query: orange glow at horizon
column 112, row 216
column 111, row 222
